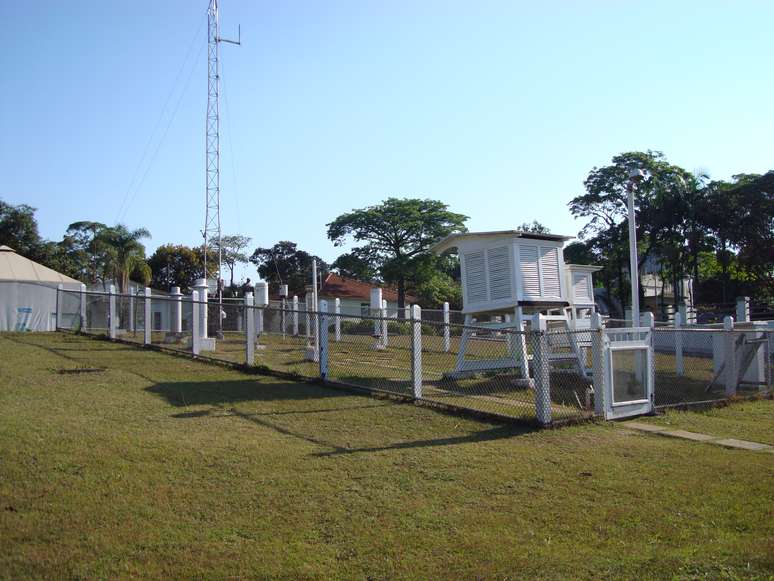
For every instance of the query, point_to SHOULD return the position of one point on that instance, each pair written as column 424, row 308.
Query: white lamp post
column 635, row 176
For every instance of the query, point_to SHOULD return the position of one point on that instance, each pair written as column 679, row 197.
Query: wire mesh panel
column 493, row 383
column 69, row 310
column 691, row 365
column 360, row 356
column 97, row 312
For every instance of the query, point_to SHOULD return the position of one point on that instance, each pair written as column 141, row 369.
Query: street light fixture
column 635, row 177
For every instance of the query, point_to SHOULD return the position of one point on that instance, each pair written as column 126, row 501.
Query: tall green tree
column 232, row 252
column 87, row 257
column 19, row 229
column 659, row 205
column 396, row 234
column 177, row 265
column 357, row 266
column 284, row 263
column 124, row 254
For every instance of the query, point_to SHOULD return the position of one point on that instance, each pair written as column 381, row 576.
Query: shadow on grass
column 219, row 392
column 494, row 433
column 221, row 395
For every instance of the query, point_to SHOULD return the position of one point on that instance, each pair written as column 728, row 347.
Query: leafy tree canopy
column 395, row 234
column 178, row 265
column 232, row 251
column 284, row 263
column 19, row 229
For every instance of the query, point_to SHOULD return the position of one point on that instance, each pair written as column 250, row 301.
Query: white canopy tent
column 28, row 293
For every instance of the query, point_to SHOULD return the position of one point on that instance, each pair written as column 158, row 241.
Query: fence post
column 679, row 361
column 730, row 356
column 541, row 371
column 177, row 310
column 407, row 312
column 84, row 319
column 147, row 328
column 742, row 309
column 112, row 312
column 295, row 315
column 250, row 330
column 58, row 314
column 385, row 337
column 446, row 337
column 323, row 338
column 131, row 311
column 195, row 323
column 202, row 289
column 337, row 322
column 416, row 350
column 598, row 363
column 376, row 307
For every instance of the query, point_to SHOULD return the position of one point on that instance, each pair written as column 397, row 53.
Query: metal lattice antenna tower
column 212, row 177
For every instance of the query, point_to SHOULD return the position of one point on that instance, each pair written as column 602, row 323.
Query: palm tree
column 124, row 254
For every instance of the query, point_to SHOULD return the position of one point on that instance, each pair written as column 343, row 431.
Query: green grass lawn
column 157, row 466
column 744, row 420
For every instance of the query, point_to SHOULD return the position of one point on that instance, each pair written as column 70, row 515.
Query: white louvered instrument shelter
column 501, row 270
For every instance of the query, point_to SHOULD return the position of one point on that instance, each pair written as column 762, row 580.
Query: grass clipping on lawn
column 160, row 466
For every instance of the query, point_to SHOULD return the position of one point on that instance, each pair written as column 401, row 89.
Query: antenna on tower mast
column 212, row 163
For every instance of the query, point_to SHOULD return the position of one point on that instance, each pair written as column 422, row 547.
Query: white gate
column 625, row 380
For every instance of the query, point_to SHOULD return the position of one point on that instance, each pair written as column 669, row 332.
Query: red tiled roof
column 335, row 286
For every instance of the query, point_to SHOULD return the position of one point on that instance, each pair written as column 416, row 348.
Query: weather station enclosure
column 507, row 270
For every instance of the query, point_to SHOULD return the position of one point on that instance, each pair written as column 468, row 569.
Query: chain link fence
column 539, row 375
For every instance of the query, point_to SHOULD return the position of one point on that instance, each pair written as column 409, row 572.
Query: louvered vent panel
column 549, row 267
column 528, row 257
column 580, row 287
column 475, row 276
column 499, row 260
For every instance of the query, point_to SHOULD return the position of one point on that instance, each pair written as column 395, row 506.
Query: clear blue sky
column 499, row 109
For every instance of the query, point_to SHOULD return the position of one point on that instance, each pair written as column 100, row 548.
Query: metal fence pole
column 416, row 350
column 598, row 363
column 730, row 356
column 323, row 338
column 147, row 328
column 131, row 311
column 112, row 312
column 446, row 337
column 83, row 307
column 679, row 361
column 541, row 371
column 250, row 330
column 385, row 338
column 337, row 322
column 58, row 315
column 195, row 322
column 295, row 316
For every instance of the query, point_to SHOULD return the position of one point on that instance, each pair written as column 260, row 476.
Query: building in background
column 28, row 293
